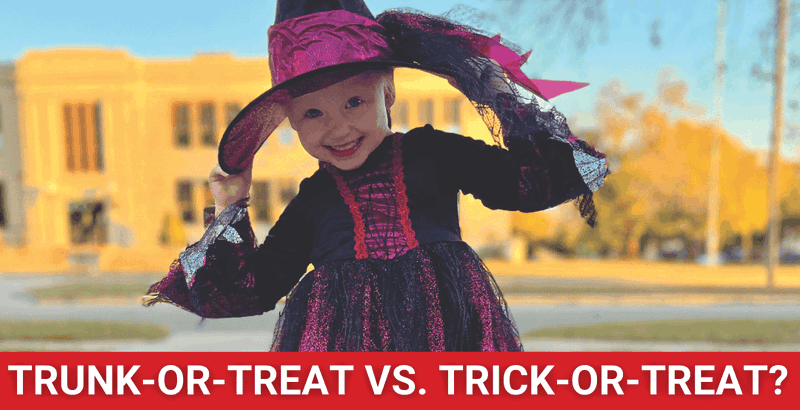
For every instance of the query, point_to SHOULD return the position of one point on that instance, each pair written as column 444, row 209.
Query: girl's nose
column 338, row 128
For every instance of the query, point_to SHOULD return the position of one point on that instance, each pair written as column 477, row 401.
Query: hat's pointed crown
column 289, row 9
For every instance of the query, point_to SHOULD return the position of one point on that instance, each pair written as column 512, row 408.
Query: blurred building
column 12, row 211
column 105, row 156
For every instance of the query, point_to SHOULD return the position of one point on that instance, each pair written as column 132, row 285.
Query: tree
column 660, row 173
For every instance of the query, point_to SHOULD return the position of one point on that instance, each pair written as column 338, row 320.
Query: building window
column 400, row 114
column 208, row 197
column 287, row 191
column 83, row 137
column 453, row 111
column 87, row 223
column 98, row 135
column 231, row 111
column 260, row 201
column 180, row 124
column 207, row 125
column 185, row 201
column 2, row 207
column 426, row 112
column 208, row 205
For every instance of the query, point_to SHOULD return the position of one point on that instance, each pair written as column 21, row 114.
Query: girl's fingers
column 248, row 172
column 217, row 174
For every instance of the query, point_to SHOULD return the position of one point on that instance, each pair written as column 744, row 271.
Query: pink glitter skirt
column 436, row 297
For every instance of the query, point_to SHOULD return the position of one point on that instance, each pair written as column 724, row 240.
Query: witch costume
column 391, row 272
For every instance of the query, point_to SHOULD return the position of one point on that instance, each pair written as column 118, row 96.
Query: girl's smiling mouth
column 345, row 150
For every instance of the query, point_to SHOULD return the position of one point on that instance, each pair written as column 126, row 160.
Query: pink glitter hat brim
column 306, row 47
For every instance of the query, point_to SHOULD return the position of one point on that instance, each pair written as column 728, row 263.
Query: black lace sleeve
column 533, row 174
column 226, row 274
column 487, row 70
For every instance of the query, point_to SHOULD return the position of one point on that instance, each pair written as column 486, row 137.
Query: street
column 255, row 333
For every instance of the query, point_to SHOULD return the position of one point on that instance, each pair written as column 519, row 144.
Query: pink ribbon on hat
column 511, row 63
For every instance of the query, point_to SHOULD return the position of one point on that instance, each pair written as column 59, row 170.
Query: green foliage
column 82, row 291
column 77, row 330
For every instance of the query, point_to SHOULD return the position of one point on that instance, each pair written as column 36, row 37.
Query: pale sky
column 178, row 29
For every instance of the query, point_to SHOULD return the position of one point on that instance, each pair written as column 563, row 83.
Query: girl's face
column 343, row 123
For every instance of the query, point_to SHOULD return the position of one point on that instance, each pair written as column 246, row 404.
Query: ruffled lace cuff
column 565, row 167
column 194, row 257
column 538, row 114
column 208, row 278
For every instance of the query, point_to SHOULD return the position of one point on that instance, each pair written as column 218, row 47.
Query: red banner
column 469, row 380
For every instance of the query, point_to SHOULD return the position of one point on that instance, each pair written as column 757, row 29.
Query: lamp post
column 778, row 101
column 712, row 222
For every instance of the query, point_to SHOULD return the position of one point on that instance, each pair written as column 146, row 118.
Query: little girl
column 379, row 219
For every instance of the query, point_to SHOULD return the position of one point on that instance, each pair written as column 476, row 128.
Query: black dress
column 391, row 272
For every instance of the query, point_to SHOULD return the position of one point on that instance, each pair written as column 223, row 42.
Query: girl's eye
column 354, row 102
column 313, row 113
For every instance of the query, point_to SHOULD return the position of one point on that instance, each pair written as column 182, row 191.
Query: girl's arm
column 544, row 164
column 535, row 172
column 226, row 274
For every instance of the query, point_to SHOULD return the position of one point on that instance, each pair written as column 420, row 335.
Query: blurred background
column 110, row 115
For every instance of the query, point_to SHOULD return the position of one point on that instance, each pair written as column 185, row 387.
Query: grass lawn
column 651, row 273
column 736, row 331
column 79, row 291
column 619, row 290
column 78, row 330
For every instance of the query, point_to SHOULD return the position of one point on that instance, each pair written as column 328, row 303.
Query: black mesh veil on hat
column 441, row 46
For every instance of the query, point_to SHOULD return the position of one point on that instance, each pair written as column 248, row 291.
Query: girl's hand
column 228, row 189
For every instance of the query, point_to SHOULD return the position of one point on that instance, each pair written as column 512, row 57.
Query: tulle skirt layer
column 436, row 297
